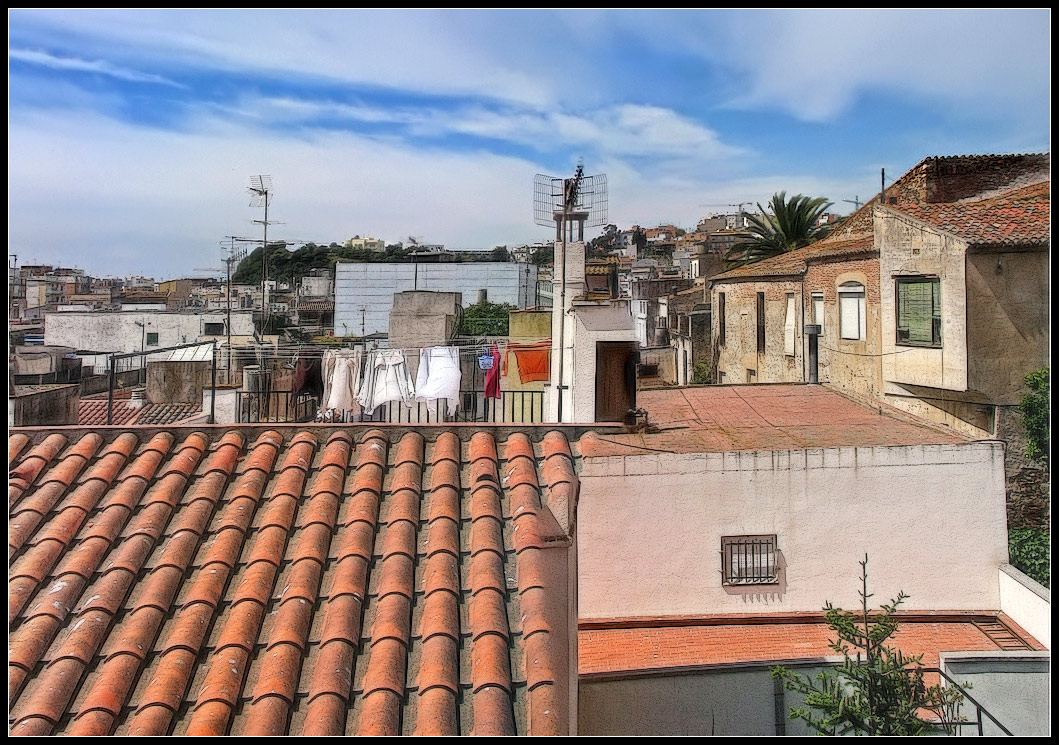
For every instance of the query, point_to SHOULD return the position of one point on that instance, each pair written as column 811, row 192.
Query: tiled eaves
column 181, row 554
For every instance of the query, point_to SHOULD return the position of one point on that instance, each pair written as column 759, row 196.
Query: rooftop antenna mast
column 855, row 201
column 568, row 203
column 235, row 255
column 261, row 192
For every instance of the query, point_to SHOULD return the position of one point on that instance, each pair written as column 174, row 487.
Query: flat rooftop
column 608, row 649
column 782, row 416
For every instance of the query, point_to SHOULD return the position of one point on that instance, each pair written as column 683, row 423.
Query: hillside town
column 632, row 372
column 583, row 486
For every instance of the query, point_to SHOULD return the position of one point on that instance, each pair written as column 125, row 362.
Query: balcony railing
column 513, row 407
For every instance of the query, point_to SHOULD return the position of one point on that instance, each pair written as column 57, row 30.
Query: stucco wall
column 908, row 248
column 118, row 332
column 739, row 354
column 734, row 700
column 1028, row 603
column 591, row 323
column 1012, row 686
column 930, row 517
column 1007, row 322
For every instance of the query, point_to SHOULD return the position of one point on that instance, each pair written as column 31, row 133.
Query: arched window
column 852, row 319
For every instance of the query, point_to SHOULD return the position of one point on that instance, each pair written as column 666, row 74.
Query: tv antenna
column 261, row 195
column 569, row 203
column 855, row 201
column 235, row 255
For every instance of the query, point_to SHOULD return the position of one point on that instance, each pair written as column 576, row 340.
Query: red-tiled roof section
column 326, row 581
column 793, row 263
column 93, row 412
column 617, row 650
column 1021, row 217
column 779, row 416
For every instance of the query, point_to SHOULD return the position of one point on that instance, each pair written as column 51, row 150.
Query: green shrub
column 1030, row 550
column 1035, row 409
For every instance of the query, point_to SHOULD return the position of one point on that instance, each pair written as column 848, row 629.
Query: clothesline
column 317, row 352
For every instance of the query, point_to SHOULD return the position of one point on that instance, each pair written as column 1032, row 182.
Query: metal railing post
column 213, row 384
column 110, row 393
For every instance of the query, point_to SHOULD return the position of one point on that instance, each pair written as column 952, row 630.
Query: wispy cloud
column 99, row 67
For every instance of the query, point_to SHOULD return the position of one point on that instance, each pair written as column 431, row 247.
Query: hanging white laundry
column 439, row 376
column 327, row 371
column 345, row 382
column 386, row 378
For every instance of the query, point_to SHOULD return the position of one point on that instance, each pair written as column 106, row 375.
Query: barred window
column 749, row 559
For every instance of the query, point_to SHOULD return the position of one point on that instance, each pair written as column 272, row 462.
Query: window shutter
column 788, row 327
column 849, row 307
column 919, row 312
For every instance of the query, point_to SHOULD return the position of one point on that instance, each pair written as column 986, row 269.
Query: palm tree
column 786, row 225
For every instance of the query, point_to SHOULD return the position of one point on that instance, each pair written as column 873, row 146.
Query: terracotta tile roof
column 723, row 641
column 316, row 305
column 322, row 581
column 794, row 263
column 1018, row 217
column 93, row 412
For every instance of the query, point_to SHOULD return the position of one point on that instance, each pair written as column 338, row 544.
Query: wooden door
column 615, row 379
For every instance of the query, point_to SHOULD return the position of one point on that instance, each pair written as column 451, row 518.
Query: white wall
column 118, row 331
column 371, row 287
column 930, row 517
column 1027, row 603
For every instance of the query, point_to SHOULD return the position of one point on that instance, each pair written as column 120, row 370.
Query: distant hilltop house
column 372, row 244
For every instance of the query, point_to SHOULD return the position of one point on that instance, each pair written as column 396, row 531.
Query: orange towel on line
column 533, row 360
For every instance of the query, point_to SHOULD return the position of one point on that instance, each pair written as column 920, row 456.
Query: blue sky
column 133, row 134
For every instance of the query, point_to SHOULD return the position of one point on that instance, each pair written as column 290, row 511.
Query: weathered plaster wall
column 118, row 332
column 1012, row 686
column 177, row 382
column 1007, row 321
column 735, row 700
column 931, row 519
column 53, row 404
column 738, row 355
column 908, row 248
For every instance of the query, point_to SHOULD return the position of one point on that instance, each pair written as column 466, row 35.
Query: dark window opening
column 152, row 339
column 761, row 322
column 720, row 318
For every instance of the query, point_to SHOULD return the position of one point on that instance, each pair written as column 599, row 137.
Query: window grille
column 749, row 559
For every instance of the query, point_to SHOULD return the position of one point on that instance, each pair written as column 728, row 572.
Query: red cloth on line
column 492, row 375
column 534, row 361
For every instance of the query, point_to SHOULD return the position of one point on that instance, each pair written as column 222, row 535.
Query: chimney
column 136, row 398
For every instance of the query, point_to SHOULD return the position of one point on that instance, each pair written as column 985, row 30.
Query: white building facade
column 364, row 292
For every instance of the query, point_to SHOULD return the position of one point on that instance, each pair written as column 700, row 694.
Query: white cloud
column 424, row 51
column 814, row 64
column 101, row 67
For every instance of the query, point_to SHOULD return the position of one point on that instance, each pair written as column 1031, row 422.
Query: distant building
column 372, row 244
column 364, row 292
column 135, row 331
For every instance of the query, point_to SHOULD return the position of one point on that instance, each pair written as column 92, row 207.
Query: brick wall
column 849, row 365
column 955, row 178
